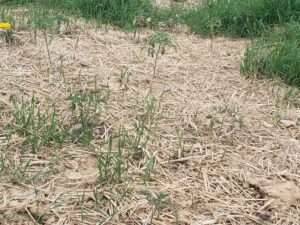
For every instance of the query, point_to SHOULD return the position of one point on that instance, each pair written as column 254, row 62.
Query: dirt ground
column 238, row 158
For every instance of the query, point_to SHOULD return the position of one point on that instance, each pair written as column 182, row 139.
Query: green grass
column 121, row 13
column 241, row 18
column 38, row 128
column 117, row 12
column 238, row 18
column 85, row 108
column 277, row 54
column 113, row 168
column 127, row 14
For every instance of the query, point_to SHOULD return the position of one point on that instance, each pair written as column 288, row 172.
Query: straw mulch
column 222, row 154
column 167, row 3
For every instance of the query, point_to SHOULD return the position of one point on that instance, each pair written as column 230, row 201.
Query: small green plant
column 113, row 167
column 148, row 113
column 2, row 164
column 224, row 122
column 139, row 22
column 124, row 76
column 8, row 36
column 179, row 153
column 80, row 201
column 228, row 114
column 180, row 146
column 277, row 117
column 85, row 108
column 96, row 197
column 213, row 25
column 157, row 43
column 149, row 167
column 291, row 94
column 37, row 127
column 18, row 172
column 159, row 202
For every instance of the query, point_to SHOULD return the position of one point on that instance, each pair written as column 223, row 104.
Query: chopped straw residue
column 210, row 143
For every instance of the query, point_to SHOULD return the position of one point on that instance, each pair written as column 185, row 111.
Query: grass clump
column 113, row 167
column 117, row 12
column 38, row 128
column 85, row 108
column 276, row 54
column 240, row 18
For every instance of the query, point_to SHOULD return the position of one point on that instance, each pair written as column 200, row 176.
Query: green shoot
column 158, row 42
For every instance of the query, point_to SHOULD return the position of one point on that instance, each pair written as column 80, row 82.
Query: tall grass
column 237, row 18
column 276, row 54
column 127, row 14
column 241, row 18
column 117, row 12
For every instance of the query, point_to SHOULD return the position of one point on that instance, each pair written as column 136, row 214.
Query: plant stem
column 156, row 58
column 47, row 46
